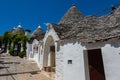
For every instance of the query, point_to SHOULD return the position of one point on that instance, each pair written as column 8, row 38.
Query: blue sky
column 31, row 13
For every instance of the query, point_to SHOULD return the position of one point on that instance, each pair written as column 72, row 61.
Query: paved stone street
column 15, row 68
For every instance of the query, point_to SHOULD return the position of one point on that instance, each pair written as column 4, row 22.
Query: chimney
column 27, row 33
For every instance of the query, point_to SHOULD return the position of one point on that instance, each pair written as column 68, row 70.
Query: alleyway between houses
column 15, row 68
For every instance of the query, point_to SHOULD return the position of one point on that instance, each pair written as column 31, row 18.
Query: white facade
column 35, row 50
column 40, row 60
column 49, row 40
column 75, row 51
column 74, row 71
column 29, row 50
column 69, row 50
column 35, row 55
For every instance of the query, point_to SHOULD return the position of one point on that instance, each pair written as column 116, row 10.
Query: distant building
column 34, row 46
column 17, row 46
column 18, row 30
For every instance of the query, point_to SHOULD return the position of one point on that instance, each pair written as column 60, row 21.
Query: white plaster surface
column 76, row 70
column 28, row 50
column 40, row 57
column 49, row 40
column 74, row 51
column 111, row 58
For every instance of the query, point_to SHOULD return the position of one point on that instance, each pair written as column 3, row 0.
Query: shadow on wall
column 113, row 42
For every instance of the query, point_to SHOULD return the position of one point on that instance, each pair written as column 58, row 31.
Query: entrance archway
column 49, row 55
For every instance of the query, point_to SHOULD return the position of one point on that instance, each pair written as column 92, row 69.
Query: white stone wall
column 74, row 51
column 36, row 53
column 111, row 58
column 59, row 66
column 36, row 58
column 46, row 44
column 41, row 57
column 52, row 33
column 32, row 55
column 74, row 71
column 50, row 38
column 28, row 50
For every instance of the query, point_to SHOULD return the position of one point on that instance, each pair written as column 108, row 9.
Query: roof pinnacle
column 39, row 26
column 19, row 25
column 73, row 4
column 14, row 28
column 72, row 15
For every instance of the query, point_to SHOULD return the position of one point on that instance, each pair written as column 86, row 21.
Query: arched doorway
column 49, row 55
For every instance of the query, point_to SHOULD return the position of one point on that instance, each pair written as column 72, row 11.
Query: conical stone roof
column 18, row 30
column 88, row 29
column 38, row 34
column 72, row 15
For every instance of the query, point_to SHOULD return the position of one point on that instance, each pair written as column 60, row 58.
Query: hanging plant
column 11, row 39
column 24, row 43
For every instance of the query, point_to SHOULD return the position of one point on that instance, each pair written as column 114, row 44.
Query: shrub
column 22, row 54
column 11, row 51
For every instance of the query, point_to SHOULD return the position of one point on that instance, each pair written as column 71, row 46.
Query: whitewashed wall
column 47, row 42
column 40, row 57
column 36, row 54
column 36, row 58
column 74, row 71
column 59, row 64
column 32, row 55
column 111, row 58
column 28, row 50
column 50, row 39
column 74, row 51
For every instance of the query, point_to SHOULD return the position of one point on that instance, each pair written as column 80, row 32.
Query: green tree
column 11, row 39
column 1, row 39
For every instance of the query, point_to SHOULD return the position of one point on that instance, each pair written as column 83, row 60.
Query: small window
column 69, row 61
column 35, row 48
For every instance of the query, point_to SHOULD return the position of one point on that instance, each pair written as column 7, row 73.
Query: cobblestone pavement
column 15, row 68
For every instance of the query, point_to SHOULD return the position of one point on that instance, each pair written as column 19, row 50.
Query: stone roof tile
column 72, row 15
column 90, row 28
column 18, row 30
column 38, row 34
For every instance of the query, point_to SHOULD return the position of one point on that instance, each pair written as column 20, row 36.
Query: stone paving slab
column 15, row 68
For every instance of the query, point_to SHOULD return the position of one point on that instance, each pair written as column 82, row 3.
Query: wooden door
column 52, row 56
column 95, row 62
